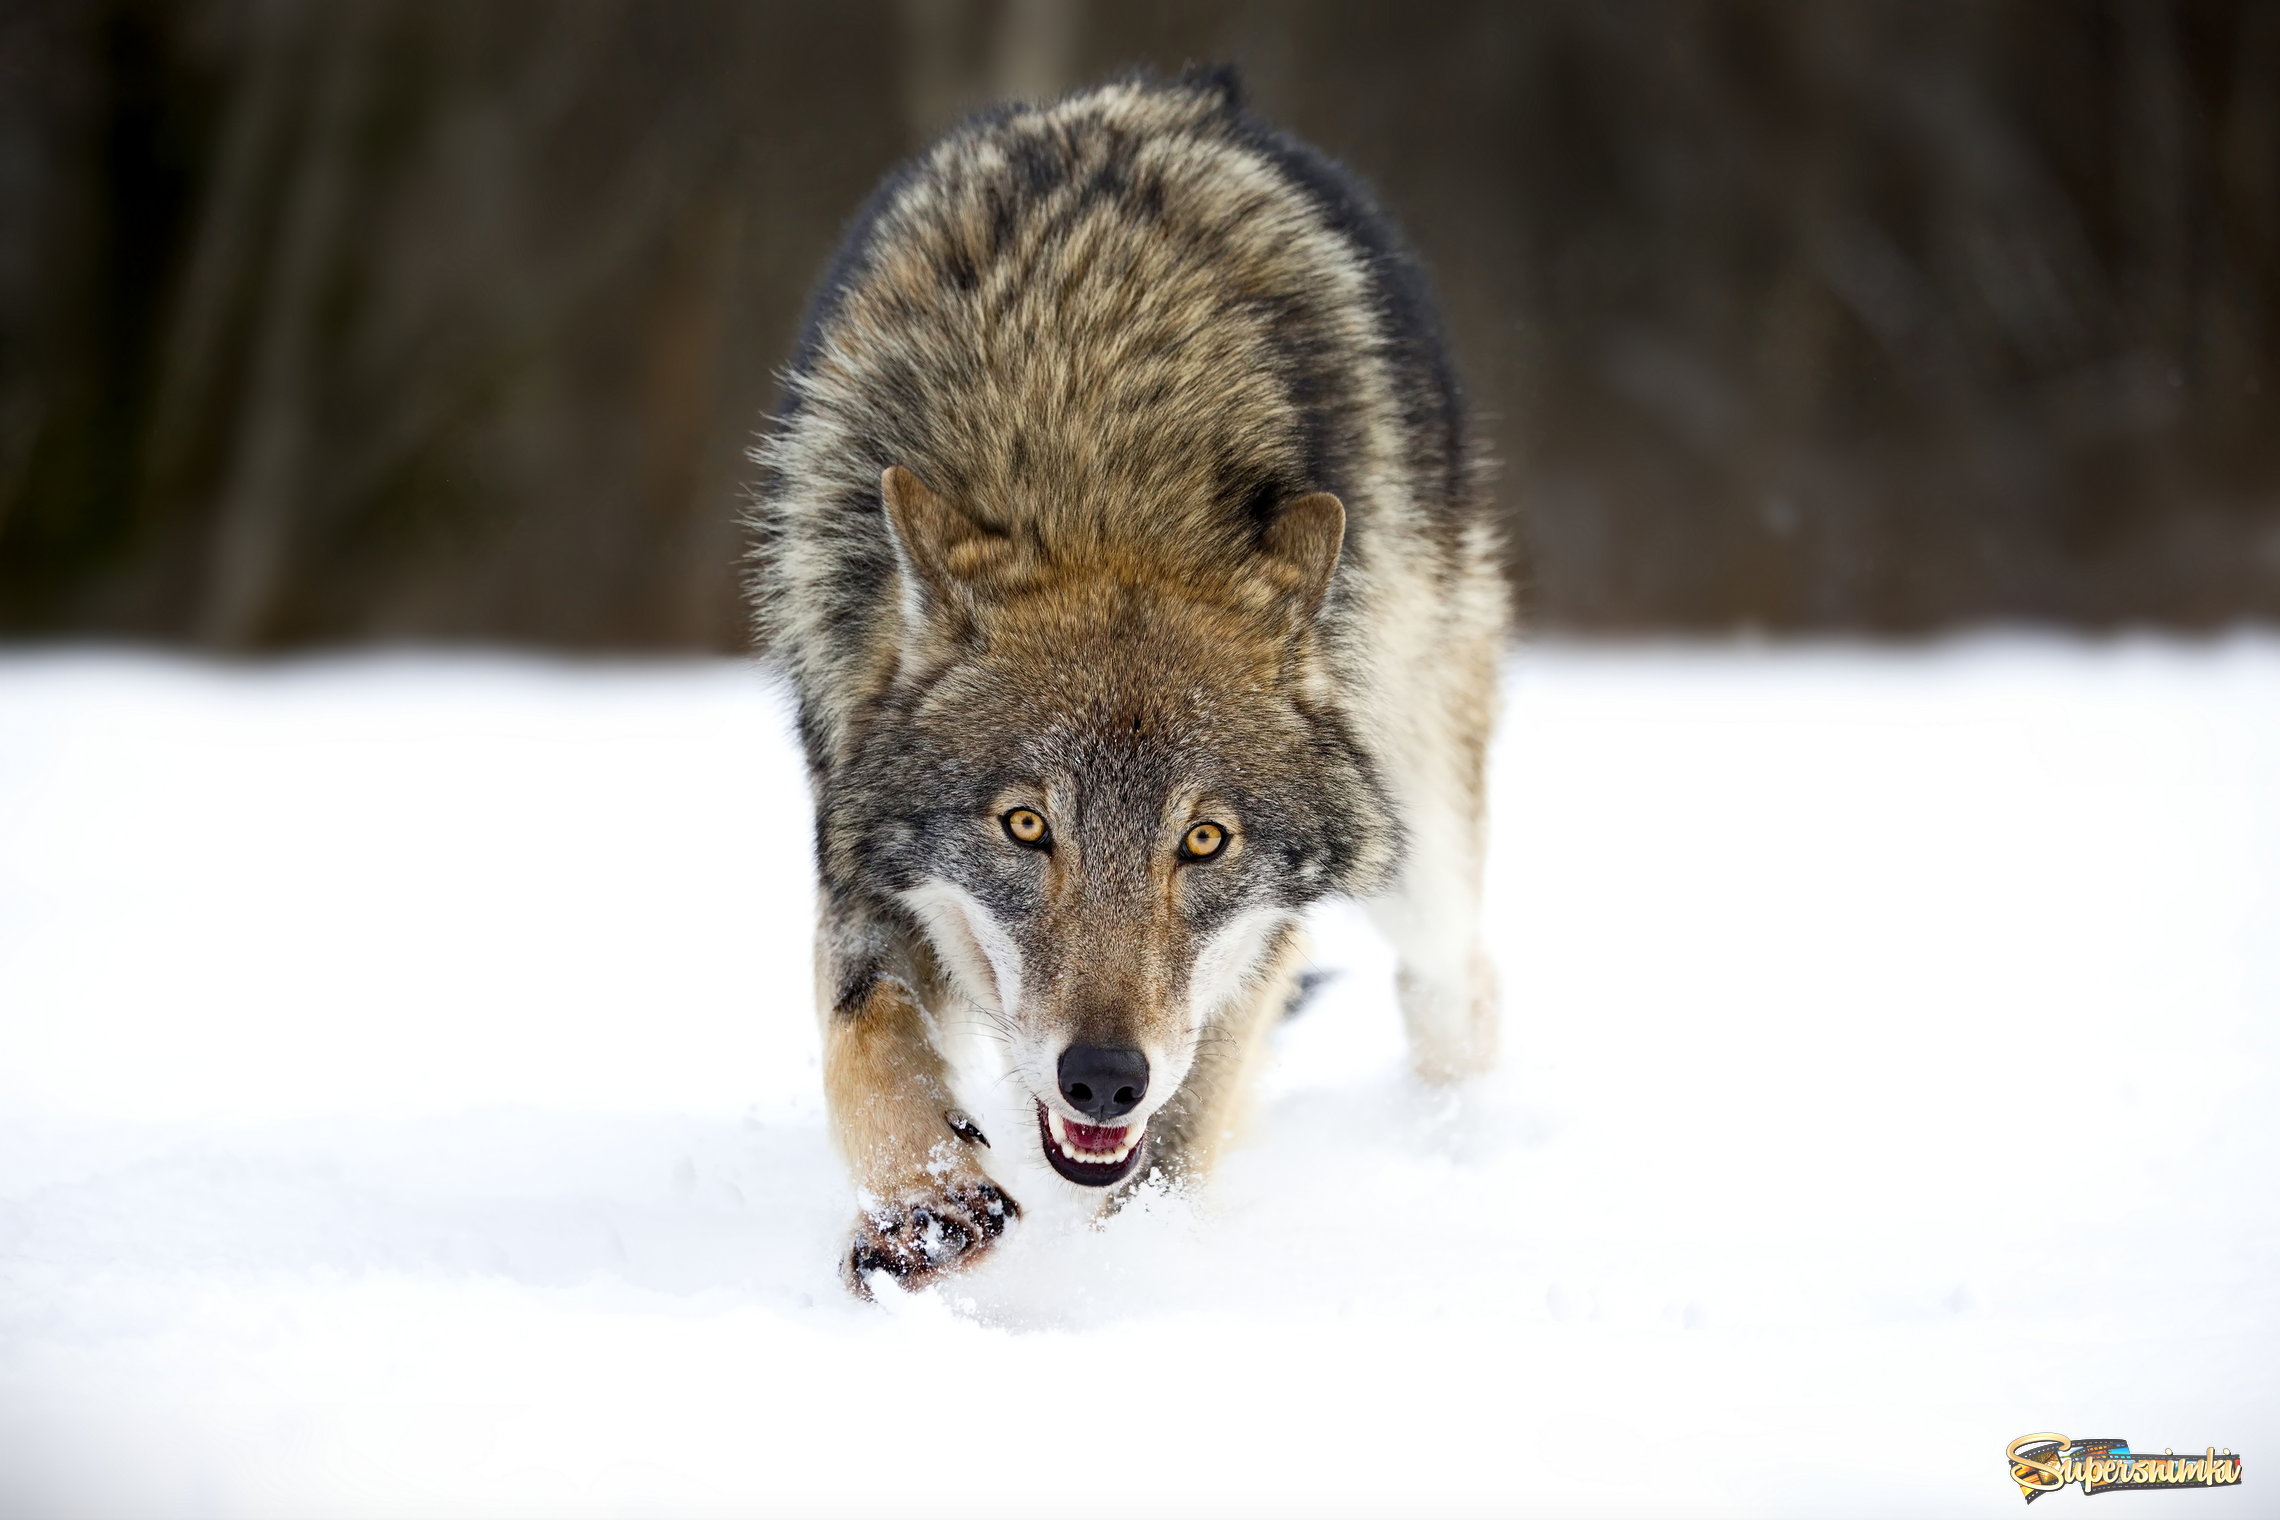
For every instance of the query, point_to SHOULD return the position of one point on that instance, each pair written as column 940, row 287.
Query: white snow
column 408, row 1104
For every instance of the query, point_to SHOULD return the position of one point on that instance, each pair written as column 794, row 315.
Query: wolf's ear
column 1303, row 543
column 947, row 550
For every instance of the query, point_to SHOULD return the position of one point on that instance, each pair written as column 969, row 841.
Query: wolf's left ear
column 1303, row 543
column 947, row 550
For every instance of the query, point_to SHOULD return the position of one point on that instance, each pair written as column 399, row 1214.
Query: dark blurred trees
column 423, row 320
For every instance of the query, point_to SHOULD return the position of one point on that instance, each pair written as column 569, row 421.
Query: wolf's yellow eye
column 1203, row 841
column 1025, row 826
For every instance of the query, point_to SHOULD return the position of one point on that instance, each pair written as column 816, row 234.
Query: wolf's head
column 1105, row 785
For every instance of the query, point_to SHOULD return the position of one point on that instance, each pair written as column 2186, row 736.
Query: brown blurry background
column 324, row 323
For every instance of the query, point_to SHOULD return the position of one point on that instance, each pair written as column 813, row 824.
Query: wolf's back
column 1128, row 324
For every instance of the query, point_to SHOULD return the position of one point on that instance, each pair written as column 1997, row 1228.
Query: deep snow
column 408, row 1103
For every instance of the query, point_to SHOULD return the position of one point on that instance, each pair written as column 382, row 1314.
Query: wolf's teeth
column 1060, row 1131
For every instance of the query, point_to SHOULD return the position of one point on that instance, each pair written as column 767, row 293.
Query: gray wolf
column 1124, row 541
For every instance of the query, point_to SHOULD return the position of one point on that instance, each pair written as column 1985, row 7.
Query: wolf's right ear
column 1302, row 544
column 945, row 553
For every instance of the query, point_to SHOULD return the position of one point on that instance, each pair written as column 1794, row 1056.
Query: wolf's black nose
column 1103, row 1084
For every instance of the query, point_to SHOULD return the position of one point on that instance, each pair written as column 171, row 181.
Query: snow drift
column 408, row 1103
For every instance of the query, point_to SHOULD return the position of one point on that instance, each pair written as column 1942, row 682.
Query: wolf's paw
column 1452, row 1023
column 916, row 1238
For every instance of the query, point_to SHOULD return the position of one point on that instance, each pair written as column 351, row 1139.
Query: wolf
column 1125, row 542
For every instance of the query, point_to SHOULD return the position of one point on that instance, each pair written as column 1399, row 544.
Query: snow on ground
column 408, row 1103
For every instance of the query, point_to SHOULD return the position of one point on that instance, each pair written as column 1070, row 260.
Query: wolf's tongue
column 1100, row 1139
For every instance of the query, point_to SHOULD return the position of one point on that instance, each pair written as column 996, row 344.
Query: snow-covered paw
column 1451, row 1021
column 916, row 1238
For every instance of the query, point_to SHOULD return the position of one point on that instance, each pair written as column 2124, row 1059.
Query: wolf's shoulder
column 1162, row 154
column 1130, row 324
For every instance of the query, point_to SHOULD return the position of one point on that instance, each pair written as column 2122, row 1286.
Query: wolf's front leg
column 927, row 1206
column 1209, row 1110
column 1445, row 980
column 1446, row 983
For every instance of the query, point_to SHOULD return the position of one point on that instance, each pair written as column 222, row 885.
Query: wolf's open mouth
column 1092, row 1155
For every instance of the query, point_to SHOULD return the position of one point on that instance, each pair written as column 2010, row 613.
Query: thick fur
column 1122, row 476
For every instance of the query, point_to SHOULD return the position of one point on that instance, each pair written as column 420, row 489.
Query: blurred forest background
column 390, row 319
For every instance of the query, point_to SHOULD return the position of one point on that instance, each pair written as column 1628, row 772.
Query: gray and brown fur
column 1123, row 476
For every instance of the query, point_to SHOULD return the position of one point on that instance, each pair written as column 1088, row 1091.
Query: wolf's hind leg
column 927, row 1206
